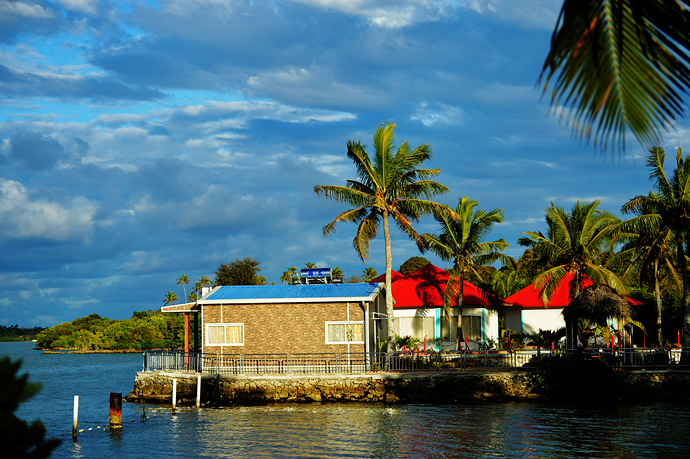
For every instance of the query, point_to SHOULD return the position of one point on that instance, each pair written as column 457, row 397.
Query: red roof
column 426, row 286
column 395, row 275
column 529, row 297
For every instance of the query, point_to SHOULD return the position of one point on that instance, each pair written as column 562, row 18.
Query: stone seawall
column 390, row 388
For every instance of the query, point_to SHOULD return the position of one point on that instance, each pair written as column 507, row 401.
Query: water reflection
column 482, row 430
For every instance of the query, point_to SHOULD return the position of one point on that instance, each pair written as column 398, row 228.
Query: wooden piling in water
column 174, row 394
column 198, row 391
column 75, row 418
column 115, row 410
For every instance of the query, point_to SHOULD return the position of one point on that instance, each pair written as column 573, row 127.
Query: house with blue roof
column 279, row 319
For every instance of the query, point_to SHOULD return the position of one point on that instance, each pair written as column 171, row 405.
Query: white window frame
column 224, row 334
column 345, row 323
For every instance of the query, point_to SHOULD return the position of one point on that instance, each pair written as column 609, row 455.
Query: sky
column 144, row 140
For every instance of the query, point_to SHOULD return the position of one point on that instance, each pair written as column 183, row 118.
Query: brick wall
column 283, row 328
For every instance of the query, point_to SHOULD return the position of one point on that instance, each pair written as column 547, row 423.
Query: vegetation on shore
column 16, row 333
column 144, row 330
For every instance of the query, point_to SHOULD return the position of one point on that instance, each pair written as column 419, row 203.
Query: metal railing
column 358, row 363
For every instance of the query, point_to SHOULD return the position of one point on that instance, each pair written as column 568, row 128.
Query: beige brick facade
column 282, row 328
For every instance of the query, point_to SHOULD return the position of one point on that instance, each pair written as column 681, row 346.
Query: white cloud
column 433, row 113
column 389, row 14
column 531, row 14
column 83, row 6
column 24, row 10
column 22, row 217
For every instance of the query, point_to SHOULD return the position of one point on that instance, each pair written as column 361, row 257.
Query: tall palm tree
column 184, row 280
column 201, row 283
column 649, row 251
column 621, row 64
column 170, row 298
column 310, row 265
column 391, row 186
column 669, row 208
column 461, row 241
column 572, row 244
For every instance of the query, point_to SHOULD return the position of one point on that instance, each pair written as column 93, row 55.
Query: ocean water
column 332, row 430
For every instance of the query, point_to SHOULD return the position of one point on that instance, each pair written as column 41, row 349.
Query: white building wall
column 545, row 319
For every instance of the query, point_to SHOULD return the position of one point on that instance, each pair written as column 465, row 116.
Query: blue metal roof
column 292, row 293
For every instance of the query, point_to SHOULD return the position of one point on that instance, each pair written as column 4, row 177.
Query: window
column 471, row 327
column 344, row 332
column 417, row 327
column 225, row 334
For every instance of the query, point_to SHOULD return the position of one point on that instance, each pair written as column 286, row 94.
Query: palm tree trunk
column 389, row 291
column 685, row 356
column 458, row 334
column 657, row 294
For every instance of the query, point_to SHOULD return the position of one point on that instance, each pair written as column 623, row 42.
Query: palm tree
column 170, row 298
column 310, row 265
column 184, row 280
column 621, row 64
column 289, row 276
column 462, row 231
column 506, row 282
column 650, row 249
column 193, row 297
column 669, row 209
column 337, row 273
column 201, row 283
column 390, row 187
column 572, row 244
column 369, row 274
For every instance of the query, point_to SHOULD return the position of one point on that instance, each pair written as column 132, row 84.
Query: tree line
column 144, row 330
column 16, row 333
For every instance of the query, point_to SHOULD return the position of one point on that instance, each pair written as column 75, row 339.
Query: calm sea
column 353, row 430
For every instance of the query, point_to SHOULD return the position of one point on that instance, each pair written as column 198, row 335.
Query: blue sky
column 140, row 141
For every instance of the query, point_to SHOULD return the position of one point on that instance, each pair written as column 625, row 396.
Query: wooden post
column 75, row 418
column 186, row 341
column 115, row 410
column 198, row 391
column 174, row 401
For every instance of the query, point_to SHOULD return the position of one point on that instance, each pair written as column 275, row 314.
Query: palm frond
column 621, row 64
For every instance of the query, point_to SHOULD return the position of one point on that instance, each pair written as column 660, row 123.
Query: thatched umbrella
column 597, row 304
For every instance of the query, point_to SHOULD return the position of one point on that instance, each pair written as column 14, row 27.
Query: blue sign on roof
column 297, row 293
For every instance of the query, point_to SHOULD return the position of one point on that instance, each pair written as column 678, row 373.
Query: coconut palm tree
column 310, row 265
column 621, row 64
column 289, row 276
column 369, row 274
column 668, row 208
column 184, row 280
column 650, row 249
column 572, row 244
column 391, row 186
column 337, row 273
column 461, row 241
column 170, row 298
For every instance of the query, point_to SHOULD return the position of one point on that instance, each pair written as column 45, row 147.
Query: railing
column 358, row 363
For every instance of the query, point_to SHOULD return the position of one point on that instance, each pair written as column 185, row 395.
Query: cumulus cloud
column 23, row 216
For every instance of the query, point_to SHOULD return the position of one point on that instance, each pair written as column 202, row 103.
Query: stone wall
column 390, row 388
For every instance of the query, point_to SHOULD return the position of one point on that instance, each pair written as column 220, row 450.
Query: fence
column 357, row 363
